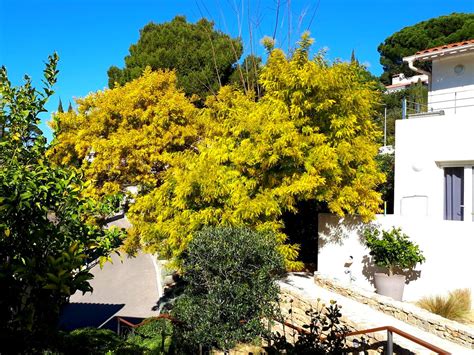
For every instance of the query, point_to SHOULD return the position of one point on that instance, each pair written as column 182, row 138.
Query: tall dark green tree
column 203, row 57
column 60, row 106
column 353, row 57
column 246, row 74
column 427, row 34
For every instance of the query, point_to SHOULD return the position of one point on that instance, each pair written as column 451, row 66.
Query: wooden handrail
column 295, row 327
column 410, row 337
column 389, row 328
column 300, row 330
column 161, row 316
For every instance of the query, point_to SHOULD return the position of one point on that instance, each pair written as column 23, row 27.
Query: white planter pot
column 391, row 286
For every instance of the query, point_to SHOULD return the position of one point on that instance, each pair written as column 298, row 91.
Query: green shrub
column 456, row 305
column 95, row 341
column 325, row 334
column 392, row 249
column 230, row 275
column 155, row 335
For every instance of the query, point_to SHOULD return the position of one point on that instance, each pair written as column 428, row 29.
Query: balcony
column 441, row 102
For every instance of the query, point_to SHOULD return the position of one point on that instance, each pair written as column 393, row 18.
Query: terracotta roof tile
column 446, row 46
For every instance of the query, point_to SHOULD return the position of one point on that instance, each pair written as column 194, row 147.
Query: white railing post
column 455, row 102
column 404, row 108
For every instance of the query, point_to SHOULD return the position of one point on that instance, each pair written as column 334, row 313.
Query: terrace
column 440, row 103
column 451, row 81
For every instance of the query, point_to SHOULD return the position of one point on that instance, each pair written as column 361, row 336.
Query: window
column 454, row 194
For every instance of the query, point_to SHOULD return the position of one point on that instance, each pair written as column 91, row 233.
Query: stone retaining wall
column 292, row 300
column 409, row 313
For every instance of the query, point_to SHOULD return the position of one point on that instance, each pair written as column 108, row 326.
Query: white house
column 400, row 82
column 434, row 184
column 435, row 150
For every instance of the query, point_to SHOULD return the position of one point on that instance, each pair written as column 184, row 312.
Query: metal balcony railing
column 440, row 103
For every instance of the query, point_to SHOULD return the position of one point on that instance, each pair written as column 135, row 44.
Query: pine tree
column 353, row 58
column 202, row 56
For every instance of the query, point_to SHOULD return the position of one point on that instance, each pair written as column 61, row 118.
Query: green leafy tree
column 48, row 231
column 426, row 34
column 230, row 275
column 20, row 137
column 202, row 56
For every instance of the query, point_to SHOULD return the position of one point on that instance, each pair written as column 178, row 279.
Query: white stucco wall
column 447, row 245
column 424, row 146
column 450, row 91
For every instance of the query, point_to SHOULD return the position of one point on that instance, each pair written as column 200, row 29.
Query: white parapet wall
column 424, row 147
column 452, row 87
column 447, row 245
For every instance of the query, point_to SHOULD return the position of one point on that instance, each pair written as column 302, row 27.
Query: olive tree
column 230, row 274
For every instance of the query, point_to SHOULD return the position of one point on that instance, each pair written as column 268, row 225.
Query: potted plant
column 395, row 251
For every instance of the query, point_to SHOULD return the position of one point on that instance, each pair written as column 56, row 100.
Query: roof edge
column 441, row 51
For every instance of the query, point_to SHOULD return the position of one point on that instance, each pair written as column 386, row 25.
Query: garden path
column 366, row 317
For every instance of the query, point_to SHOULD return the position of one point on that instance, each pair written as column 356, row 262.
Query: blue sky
column 92, row 35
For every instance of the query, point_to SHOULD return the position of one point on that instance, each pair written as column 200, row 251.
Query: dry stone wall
column 409, row 313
